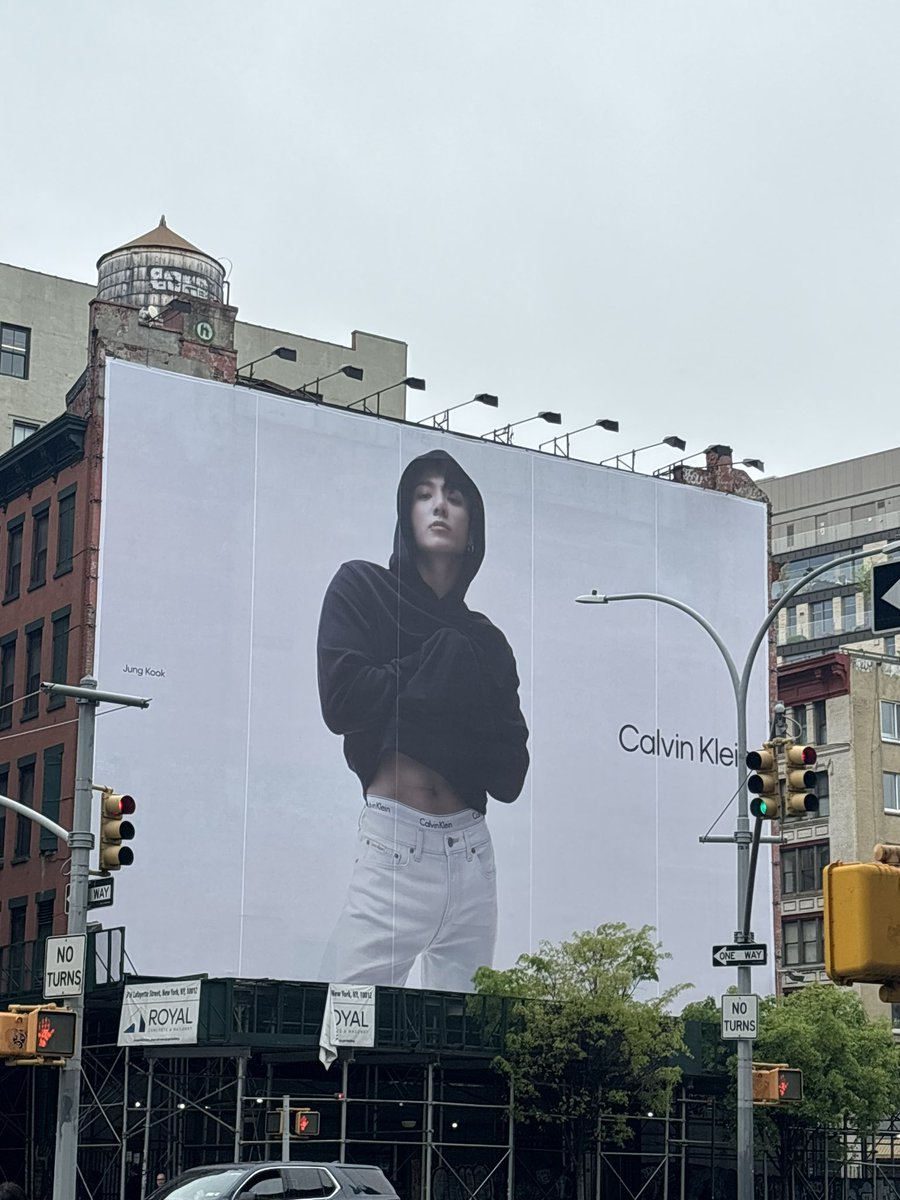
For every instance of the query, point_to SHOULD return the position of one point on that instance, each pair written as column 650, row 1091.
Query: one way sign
column 744, row 954
column 886, row 598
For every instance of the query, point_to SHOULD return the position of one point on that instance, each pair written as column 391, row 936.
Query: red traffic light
column 801, row 756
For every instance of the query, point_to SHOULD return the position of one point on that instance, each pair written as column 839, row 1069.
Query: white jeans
column 423, row 886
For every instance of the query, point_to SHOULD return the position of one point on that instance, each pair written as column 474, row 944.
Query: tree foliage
column 582, row 1041
column 850, row 1064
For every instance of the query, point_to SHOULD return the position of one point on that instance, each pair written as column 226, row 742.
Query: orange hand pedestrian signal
column 306, row 1122
column 45, row 1032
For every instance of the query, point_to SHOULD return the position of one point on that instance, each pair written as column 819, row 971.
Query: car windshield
column 208, row 1184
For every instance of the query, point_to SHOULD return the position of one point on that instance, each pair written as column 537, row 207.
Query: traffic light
column 764, row 784
column 39, row 1033
column 800, row 797
column 862, row 916
column 114, row 830
column 776, row 1083
column 790, row 1084
column 304, row 1122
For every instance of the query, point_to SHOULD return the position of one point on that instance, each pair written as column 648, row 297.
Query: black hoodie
column 401, row 669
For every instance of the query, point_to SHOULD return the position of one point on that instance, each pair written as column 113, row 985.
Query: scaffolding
column 425, row 1104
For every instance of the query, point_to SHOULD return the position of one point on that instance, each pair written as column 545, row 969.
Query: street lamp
column 747, row 843
column 676, row 443
column 288, row 353
column 441, row 420
column 417, row 385
column 604, row 423
column 351, row 373
column 504, row 433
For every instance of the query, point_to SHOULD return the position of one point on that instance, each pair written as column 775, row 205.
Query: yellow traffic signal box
column 862, row 922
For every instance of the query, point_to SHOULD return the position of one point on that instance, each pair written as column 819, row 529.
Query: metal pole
column 285, row 1128
column 239, row 1108
column 148, row 1109
column 81, row 842
column 429, row 1130
column 342, row 1156
column 511, row 1146
column 124, row 1141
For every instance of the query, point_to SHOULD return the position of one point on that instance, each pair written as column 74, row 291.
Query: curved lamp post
column 744, row 839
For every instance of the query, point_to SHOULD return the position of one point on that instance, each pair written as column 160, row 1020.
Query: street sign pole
column 81, row 840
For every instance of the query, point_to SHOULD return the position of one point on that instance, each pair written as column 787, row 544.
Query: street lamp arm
column 24, row 811
column 792, row 591
column 595, row 598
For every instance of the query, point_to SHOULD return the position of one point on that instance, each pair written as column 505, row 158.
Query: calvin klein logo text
column 702, row 749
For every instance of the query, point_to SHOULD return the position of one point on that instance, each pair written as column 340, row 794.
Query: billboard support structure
column 81, row 842
column 747, row 856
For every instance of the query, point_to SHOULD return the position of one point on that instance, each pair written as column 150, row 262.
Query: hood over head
column 403, row 558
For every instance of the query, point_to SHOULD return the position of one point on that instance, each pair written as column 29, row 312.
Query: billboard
column 388, row 752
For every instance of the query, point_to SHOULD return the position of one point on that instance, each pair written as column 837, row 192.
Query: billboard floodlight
column 441, row 420
column 557, row 442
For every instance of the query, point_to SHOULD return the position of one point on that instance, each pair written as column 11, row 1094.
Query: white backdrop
column 226, row 513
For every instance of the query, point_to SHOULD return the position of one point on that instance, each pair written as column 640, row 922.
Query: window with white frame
column 890, row 646
column 791, row 621
column 890, row 721
column 821, row 618
column 803, row 941
column 22, row 430
column 891, row 782
column 848, row 612
column 15, row 348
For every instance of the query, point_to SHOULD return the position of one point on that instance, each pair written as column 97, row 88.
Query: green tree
column 850, row 1064
column 582, row 1042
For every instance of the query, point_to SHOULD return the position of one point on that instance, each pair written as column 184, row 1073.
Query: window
column 45, row 902
column 22, row 430
column 7, row 679
column 40, row 538
column 791, row 615
column 24, row 826
column 890, row 647
column 15, row 346
column 801, row 868
column 4, row 791
column 13, row 558
column 820, row 723
column 59, row 668
column 34, row 637
column 803, row 942
column 18, row 910
column 823, row 792
column 310, row 1183
column 891, row 783
column 821, row 618
column 848, row 612
column 890, row 721
column 51, row 791
column 65, row 535
column 268, row 1185
column 798, row 716
column 789, row 535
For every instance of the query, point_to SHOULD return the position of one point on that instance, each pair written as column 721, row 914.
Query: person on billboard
column 425, row 694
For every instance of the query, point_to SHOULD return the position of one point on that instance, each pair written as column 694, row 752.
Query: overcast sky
column 682, row 214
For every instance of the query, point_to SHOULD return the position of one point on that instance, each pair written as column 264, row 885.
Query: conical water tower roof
column 161, row 236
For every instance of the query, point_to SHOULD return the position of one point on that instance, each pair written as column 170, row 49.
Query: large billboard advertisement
column 385, row 745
